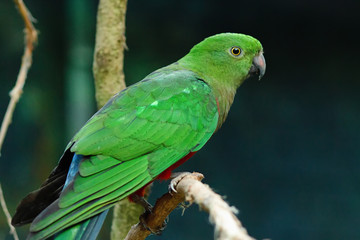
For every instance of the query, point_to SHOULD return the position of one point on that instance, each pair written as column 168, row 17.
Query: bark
column 109, row 49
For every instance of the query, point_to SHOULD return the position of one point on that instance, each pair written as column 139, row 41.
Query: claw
column 148, row 210
column 172, row 188
column 176, row 178
column 183, row 207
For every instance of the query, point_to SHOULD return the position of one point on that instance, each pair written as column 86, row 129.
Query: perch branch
column 191, row 189
column 15, row 94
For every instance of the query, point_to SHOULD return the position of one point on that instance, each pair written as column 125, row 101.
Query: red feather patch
column 165, row 175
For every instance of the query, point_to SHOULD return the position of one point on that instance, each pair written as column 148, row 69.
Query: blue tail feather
column 88, row 229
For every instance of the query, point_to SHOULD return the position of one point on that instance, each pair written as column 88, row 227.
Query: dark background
column 288, row 155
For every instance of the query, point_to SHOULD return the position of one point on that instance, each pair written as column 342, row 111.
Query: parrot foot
column 183, row 207
column 148, row 210
column 157, row 231
column 140, row 200
column 175, row 179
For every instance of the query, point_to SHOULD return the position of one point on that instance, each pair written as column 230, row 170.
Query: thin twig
column 7, row 214
column 191, row 189
column 30, row 40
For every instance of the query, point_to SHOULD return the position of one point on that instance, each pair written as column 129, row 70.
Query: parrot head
column 227, row 59
column 224, row 61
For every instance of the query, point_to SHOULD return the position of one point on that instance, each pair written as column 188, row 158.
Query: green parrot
column 142, row 134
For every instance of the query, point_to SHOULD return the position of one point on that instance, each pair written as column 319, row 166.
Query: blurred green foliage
column 288, row 155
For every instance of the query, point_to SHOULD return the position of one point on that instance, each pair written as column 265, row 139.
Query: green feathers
column 156, row 112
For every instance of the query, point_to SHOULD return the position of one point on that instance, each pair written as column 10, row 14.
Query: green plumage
column 148, row 127
column 163, row 109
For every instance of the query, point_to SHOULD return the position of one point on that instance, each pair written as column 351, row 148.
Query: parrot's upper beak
column 258, row 66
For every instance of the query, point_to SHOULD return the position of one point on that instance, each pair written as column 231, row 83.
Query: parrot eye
column 235, row 51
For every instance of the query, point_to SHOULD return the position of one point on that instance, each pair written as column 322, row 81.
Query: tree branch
column 189, row 188
column 109, row 49
column 15, row 94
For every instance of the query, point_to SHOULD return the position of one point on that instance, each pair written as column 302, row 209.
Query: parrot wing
column 137, row 135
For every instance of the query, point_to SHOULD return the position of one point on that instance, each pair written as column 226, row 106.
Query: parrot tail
column 86, row 230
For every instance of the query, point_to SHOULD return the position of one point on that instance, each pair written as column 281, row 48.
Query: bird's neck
column 225, row 98
column 224, row 89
